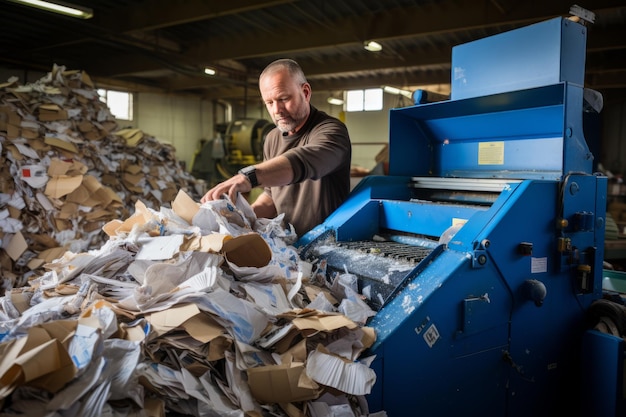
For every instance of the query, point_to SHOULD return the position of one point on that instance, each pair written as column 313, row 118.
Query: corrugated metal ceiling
column 163, row 45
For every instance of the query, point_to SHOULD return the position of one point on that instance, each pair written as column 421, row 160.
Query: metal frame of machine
column 496, row 184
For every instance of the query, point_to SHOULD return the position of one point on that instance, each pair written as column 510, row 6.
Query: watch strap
column 250, row 173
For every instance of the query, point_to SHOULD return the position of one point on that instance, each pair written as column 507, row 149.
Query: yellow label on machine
column 491, row 153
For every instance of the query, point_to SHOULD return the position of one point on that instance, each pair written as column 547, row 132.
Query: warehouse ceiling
column 164, row 45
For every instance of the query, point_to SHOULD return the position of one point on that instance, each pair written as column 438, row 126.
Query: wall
column 175, row 119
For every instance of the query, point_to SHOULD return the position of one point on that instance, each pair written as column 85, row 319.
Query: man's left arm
column 328, row 149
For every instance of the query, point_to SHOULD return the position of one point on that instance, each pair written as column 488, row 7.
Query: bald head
column 289, row 65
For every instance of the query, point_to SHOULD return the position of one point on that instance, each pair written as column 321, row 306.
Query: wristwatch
column 250, row 173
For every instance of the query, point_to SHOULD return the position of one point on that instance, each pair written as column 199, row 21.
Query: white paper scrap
column 350, row 377
column 160, row 247
column 34, row 175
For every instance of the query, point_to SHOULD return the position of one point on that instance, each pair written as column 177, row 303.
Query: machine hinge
column 479, row 257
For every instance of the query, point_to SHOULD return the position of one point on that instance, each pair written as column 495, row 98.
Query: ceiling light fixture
column 397, row 91
column 391, row 90
column 372, row 46
column 209, row 71
column 59, row 7
column 334, row 101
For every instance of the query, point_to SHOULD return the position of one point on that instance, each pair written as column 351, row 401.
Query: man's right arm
column 273, row 172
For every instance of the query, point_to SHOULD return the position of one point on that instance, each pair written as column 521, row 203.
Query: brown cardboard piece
column 202, row 328
column 131, row 136
column 134, row 169
column 79, row 195
column 154, row 407
column 35, row 263
column 8, row 117
column 112, row 227
column 40, row 359
column 166, row 320
column 17, row 246
column 58, row 167
column 185, row 207
column 272, row 384
column 132, row 179
column 62, row 185
column 20, row 300
column 196, row 323
column 249, row 250
column 62, row 144
column 51, row 254
column 325, row 323
column 51, row 112
column 140, row 216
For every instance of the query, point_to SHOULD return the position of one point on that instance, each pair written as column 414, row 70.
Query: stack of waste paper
column 200, row 310
column 66, row 169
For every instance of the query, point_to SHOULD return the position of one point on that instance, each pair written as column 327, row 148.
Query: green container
column 614, row 281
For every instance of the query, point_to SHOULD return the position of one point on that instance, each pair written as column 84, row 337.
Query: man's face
column 286, row 100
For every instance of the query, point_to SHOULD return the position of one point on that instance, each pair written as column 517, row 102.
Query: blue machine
column 483, row 248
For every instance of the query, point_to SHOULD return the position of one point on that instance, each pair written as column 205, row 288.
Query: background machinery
column 482, row 250
column 238, row 144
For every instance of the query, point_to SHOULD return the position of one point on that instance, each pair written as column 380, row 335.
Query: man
column 305, row 171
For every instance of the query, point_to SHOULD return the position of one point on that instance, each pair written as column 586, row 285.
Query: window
column 120, row 103
column 364, row 100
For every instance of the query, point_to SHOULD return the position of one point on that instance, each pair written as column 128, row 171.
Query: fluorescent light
column 397, row 91
column 372, row 46
column 59, row 7
column 334, row 101
column 209, row 71
column 391, row 90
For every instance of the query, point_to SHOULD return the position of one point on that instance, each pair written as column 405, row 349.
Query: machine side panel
column 536, row 364
column 412, row 152
column 577, row 156
column 436, row 355
column 545, row 53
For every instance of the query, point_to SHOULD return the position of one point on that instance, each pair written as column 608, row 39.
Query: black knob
column 534, row 290
column 525, row 248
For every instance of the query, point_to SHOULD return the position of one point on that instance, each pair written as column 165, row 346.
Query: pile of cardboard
column 201, row 310
column 66, row 169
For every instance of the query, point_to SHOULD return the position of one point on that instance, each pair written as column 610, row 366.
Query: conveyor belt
column 381, row 267
column 393, row 250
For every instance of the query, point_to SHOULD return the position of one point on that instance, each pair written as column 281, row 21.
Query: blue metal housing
column 491, row 321
column 537, row 55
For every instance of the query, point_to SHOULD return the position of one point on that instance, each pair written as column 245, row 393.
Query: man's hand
column 232, row 186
